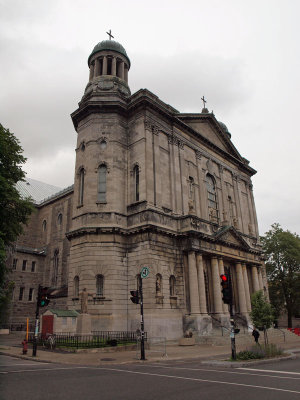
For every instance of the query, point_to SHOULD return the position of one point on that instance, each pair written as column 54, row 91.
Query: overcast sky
column 244, row 56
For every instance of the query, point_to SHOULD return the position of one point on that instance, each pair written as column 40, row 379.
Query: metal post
column 36, row 329
column 142, row 322
column 232, row 333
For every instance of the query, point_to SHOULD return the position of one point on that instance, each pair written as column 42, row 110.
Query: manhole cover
column 107, row 359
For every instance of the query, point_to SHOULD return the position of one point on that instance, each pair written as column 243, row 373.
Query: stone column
column 193, row 281
column 225, row 217
column 241, row 288
column 255, row 281
column 104, row 68
column 246, row 284
column 260, row 280
column 91, row 72
column 218, row 306
column 221, row 272
column 121, row 70
column 97, row 67
column 237, row 201
column 114, row 66
column 126, row 73
column 201, row 284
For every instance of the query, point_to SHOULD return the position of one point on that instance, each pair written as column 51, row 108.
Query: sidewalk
column 108, row 356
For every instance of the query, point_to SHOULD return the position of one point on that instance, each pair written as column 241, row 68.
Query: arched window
column 212, row 198
column 59, row 219
column 158, row 285
column 55, row 267
column 136, row 174
column 99, row 285
column 44, row 225
column 81, row 186
column 76, row 286
column 172, row 282
column 102, row 171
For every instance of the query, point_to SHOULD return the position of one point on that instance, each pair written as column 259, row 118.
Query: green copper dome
column 110, row 45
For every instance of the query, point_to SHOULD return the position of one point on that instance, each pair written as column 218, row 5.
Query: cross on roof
column 204, row 101
column 110, row 35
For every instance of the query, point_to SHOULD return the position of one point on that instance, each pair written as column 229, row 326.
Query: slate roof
column 37, row 190
column 64, row 313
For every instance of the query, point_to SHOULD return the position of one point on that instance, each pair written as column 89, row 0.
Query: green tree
column 262, row 314
column 282, row 250
column 14, row 210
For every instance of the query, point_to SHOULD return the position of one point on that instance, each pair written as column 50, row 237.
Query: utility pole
column 142, row 322
column 227, row 299
column 36, row 329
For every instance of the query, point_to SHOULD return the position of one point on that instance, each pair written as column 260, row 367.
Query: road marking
column 42, row 369
column 9, row 365
column 270, row 370
column 200, row 380
column 223, row 371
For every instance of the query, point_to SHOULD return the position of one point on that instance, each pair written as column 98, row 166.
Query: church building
column 153, row 188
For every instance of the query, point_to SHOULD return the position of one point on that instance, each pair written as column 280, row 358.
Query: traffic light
column 43, row 296
column 226, row 288
column 134, row 296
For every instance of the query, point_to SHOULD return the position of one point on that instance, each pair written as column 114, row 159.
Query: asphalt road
column 22, row 380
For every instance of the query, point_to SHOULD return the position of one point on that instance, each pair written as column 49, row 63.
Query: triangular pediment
column 208, row 127
column 230, row 235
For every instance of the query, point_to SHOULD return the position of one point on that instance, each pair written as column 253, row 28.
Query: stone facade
column 153, row 187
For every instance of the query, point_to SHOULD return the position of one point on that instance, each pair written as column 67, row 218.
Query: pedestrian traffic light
column 43, row 296
column 226, row 288
column 134, row 296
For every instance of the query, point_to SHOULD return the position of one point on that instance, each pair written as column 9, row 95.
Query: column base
column 219, row 320
column 84, row 324
column 198, row 324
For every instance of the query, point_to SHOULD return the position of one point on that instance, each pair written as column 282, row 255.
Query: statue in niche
column 158, row 285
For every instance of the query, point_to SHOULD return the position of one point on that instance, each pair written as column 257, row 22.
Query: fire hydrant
column 25, row 346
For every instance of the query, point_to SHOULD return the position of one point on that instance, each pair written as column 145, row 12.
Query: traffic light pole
column 232, row 332
column 36, row 329
column 142, row 322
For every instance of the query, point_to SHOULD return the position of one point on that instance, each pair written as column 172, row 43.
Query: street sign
column 144, row 272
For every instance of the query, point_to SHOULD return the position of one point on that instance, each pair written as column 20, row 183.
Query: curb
column 234, row 364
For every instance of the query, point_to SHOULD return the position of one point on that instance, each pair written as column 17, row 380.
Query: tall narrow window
column 15, row 261
column 55, row 268
column 99, row 285
column 30, row 294
column 102, row 170
column 24, row 265
column 172, row 282
column 81, row 186
column 21, row 293
column 33, row 266
column 76, row 286
column 212, row 198
column 136, row 174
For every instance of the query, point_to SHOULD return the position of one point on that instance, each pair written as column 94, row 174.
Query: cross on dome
column 110, row 35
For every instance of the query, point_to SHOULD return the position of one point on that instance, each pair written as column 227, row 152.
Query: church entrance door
column 47, row 327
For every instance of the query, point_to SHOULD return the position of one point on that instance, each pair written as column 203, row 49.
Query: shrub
column 258, row 352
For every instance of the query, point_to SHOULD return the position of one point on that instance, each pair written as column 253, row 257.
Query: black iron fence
column 96, row 339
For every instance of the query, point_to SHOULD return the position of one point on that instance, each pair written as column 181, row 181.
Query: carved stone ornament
column 172, row 139
column 198, row 154
column 151, row 127
column 209, row 166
